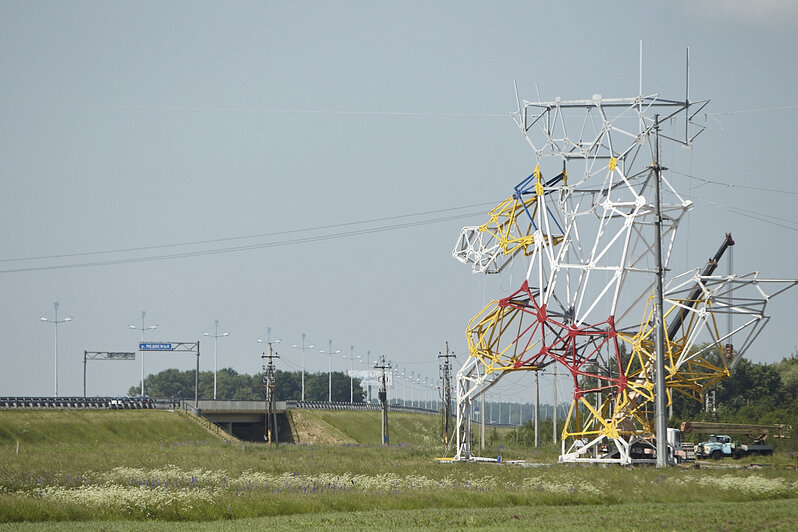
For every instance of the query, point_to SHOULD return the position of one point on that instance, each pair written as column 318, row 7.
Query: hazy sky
column 255, row 137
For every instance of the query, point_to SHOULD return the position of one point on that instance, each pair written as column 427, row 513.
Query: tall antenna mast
column 687, row 95
column 640, row 84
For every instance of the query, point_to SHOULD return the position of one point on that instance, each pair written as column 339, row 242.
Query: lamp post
column 330, row 352
column 351, row 358
column 55, row 321
column 142, row 329
column 302, row 347
column 215, row 337
column 368, row 385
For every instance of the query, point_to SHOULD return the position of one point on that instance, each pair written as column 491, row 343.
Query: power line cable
column 750, row 214
column 217, row 251
column 764, row 109
column 271, row 110
column 732, row 185
column 246, row 237
column 275, row 110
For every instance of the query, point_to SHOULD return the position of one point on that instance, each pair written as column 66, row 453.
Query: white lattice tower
column 584, row 221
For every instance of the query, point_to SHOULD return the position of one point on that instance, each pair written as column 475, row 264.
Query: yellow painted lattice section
column 510, row 226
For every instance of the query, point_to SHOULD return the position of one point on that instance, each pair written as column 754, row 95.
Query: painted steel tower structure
column 594, row 224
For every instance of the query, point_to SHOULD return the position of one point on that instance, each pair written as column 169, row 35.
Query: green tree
column 230, row 385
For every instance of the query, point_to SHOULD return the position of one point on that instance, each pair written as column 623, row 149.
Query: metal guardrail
column 85, row 403
column 137, row 403
column 325, row 405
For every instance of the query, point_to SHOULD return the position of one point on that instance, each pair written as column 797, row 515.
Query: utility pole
column 537, row 406
column 383, row 395
column 446, row 393
column 270, row 388
column 661, row 421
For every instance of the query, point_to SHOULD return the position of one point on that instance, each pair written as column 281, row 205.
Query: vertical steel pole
column 84, row 374
column 215, row 347
column 143, row 313
column 482, row 430
column 537, row 407
column 554, row 414
column 351, row 379
column 303, row 367
column 55, row 351
column 56, row 354
column 661, row 394
column 196, row 379
column 730, row 316
column 686, row 94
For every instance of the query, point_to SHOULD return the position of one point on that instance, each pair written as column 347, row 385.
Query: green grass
column 129, row 470
column 745, row 516
column 366, row 427
column 102, row 426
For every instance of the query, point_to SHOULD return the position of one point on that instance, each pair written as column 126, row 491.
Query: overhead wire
column 216, row 251
column 318, row 228
column 732, row 185
column 760, row 110
column 272, row 110
column 246, row 237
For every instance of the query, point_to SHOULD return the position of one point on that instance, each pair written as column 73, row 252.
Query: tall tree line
column 234, row 386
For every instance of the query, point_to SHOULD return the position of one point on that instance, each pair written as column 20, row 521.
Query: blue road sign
column 155, row 346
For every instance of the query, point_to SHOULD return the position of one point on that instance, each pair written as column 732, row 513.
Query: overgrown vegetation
column 87, row 466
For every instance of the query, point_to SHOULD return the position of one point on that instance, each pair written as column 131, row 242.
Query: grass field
column 135, row 469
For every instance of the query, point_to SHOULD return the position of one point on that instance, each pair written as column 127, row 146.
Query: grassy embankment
column 132, row 467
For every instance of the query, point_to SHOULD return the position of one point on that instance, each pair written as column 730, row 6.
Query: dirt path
column 311, row 429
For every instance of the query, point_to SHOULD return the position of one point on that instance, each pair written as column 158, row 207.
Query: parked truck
column 721, row 445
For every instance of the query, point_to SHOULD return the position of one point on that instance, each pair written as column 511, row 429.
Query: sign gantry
column 178, row 347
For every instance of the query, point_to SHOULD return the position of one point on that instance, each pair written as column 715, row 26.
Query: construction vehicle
column 721, row 445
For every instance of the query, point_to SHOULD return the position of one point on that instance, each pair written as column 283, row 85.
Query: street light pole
column 142, row 329
column 329, row 372
column 351, row 358
column 215, row 337
column 368, row 385
column 55, row 323
column 311, row 346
